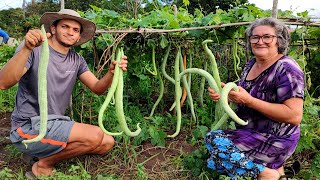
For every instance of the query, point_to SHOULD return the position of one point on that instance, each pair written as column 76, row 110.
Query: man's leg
column 83, row 139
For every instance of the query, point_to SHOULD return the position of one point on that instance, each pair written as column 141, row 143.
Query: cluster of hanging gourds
column 223, row 110
column 116, row 90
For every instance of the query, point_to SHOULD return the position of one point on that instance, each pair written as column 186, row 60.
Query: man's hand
column 34, row 38
column 123, row 64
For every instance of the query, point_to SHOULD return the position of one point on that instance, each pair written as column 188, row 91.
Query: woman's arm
column 290, row 111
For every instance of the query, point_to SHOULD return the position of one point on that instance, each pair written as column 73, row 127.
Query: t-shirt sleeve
column 83, row 66
column 30, row 58
column 290, row 82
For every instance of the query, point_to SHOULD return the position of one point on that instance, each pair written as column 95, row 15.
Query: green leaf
column 141, row 137
column 203, row 130
column 216, row 19
column 157, row 136
column 186, row 2
column 163, row 41
column 151, row 43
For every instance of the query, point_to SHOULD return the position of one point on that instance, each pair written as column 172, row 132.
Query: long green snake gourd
column 161, row 84
column 110, row 94
column 213, row 83
column 222, row 91
column 42, row 89
column 117, row 90
column 224, row 102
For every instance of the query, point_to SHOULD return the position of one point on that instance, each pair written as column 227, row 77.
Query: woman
column 271, row 100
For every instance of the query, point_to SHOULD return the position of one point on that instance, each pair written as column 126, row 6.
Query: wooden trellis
column 149, row 30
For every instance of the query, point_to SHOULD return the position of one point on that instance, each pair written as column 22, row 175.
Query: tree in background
column 19, row 20
column 207, row 6
column 84, row 5
column 12, row 21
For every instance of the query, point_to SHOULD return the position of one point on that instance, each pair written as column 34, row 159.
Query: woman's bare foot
column 281, row 172
column 39, row 170
column 269, row 174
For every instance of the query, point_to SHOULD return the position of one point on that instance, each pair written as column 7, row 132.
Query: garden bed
column 123, row 161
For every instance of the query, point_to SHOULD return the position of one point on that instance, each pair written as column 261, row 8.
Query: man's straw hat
column 88, row 28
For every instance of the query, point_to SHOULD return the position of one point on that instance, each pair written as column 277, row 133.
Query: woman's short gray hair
column 282, row 33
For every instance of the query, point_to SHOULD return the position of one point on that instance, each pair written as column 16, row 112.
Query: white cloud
column 6, row 4
column 313, row 6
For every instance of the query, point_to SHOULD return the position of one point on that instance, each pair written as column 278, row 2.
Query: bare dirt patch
column 123, row 161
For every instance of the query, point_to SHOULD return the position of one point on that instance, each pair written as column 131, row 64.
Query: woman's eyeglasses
column 265, row 39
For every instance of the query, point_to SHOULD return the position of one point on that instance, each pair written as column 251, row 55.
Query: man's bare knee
column 92, row 139
column 106, row 144
column 95, row 139
column 109, row 141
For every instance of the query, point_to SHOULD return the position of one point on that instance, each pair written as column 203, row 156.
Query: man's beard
column 65, row 45
column 62, row 43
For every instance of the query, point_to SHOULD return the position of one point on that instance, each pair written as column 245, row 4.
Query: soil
column 158, row 162
column 122, row 161
column 6, row 158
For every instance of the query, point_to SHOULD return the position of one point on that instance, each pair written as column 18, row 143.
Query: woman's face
column 264, row 41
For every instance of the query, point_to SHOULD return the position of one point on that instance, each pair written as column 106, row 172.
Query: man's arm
column 100, row 86
column 15, row 68
column 95, row 85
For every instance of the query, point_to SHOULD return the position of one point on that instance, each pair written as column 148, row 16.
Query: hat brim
column 88, row 27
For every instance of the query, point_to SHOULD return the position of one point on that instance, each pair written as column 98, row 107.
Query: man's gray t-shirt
column 62, row 74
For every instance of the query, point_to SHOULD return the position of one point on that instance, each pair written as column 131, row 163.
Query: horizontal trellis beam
column 149, row 30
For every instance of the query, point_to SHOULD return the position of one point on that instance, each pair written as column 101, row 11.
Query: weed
column 13, row 151
column 6, row 173
column 141, row 175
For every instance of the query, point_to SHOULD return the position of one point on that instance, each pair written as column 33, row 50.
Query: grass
column 124, row 161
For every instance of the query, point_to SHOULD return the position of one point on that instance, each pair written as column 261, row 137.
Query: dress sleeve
column 290, row 81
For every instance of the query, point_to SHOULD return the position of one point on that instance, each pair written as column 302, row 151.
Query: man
column 64, row 138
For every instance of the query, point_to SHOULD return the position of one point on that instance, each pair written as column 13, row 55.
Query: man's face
column 67, row 32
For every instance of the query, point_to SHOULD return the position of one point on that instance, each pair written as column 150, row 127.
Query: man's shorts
column 55, row 140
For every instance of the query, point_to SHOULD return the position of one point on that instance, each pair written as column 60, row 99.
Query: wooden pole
column 148, row 30
column 24, row 6
column 175, row 11
column 275, row 9
column 61, row 4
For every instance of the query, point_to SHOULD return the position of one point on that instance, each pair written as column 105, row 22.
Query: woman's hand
column 214, row 95
column 240, row 97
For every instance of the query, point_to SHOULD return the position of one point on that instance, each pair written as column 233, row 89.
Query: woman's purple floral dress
column 264, row 141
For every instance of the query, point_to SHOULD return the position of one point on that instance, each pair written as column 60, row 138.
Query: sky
column 313, row 6
column 6, row 4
